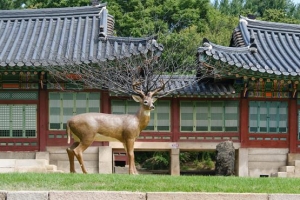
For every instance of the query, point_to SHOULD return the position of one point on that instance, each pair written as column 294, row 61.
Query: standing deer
column 107, row 127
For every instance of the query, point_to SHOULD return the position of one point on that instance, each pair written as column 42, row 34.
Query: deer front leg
column 71, row 156
column 129, row 148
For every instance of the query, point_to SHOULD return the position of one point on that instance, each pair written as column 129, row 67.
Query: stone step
column 289, row 169
column 280, row 174
column 26, row 165
column 51, row 168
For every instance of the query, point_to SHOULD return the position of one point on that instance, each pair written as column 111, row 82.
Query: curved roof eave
column 273, row 48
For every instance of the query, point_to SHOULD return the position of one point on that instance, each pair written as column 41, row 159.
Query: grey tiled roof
column 259, row 46
column 201, row 88
column 35, row 37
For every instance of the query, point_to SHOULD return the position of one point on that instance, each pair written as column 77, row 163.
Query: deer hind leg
column 71, row 156
column 129, row 148
column 78, row 153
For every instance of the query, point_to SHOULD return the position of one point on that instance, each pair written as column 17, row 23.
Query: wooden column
column 42, row 119
column 293, row 125
column 244, row 122
column 105, row 103
column 175, row 119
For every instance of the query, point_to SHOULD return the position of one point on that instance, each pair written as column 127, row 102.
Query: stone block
column 121, row 170
column 31, row 162
column 35, row 169
column 51, row 168
column 297, row 163
column 17, row 155
column 27, row 195
column 291, row 163
column 96, row 195
column 284, row 196
column 293, row 156
column 3, row 195
column 7, row 163
column 268, row 151
column 175, row 163
column 204, row 196
column 42, row 155
column 267, row 158
column 7, row 170
column 243, row 162
column 282, row 174
column 258, row 172
column 265, row 165
column 105, row 160
column 287, row 169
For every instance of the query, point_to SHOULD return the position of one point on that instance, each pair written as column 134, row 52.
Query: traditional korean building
column 263, row 64
column 251, row 101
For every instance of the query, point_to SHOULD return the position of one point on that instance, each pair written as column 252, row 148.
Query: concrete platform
column 124, row 195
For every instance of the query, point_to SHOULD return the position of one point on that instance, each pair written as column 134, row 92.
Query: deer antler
column 162, row 86
column 134, row 86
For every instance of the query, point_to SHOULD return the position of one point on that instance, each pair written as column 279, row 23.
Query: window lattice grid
column 55, row 110
column 18, row 95
column 118, row 107
column 202, row 116
column 217, row 116
column 63, row 105
column 94, row 102
column 268, row 117
column 17, row 116
column 18, row 121
column 162, row 111
column 186, row 116
column 68, row 105
column 5, row 121
column 231, row 116
column 30, row 121
column 206, row 116
column 82, row 103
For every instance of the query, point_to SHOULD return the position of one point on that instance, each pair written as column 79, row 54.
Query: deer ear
column 154, row 99
column 137, row 98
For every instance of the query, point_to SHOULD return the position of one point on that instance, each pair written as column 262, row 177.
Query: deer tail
column 68, row 132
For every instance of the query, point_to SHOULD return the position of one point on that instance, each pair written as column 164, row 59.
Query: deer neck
column 144, row 117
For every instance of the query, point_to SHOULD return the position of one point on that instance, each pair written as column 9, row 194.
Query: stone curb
column 104, row 195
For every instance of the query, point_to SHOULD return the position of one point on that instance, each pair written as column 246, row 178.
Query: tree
column 151, row 69
column 9, row 4
column 55, row 3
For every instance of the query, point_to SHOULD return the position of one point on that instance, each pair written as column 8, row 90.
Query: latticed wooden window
column 268, row 116
column 209, row 116
column 18, row 121
column 159, row 118
column 63, row 105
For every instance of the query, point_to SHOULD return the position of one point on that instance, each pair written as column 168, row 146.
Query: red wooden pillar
column 244, row 122
column 42, row 119
column 105, row 103
column 293, row 125
column 175, row 119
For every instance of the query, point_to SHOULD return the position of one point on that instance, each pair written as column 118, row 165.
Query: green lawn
column 147, row 183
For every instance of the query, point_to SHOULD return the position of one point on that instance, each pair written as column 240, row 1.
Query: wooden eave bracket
column 295, row 88
column 245, row 90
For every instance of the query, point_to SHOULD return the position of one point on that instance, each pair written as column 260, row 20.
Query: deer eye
column 145, row 102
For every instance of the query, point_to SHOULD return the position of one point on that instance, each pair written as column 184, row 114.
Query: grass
column 146, row 183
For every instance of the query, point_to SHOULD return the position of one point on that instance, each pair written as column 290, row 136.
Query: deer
column 125, row 128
